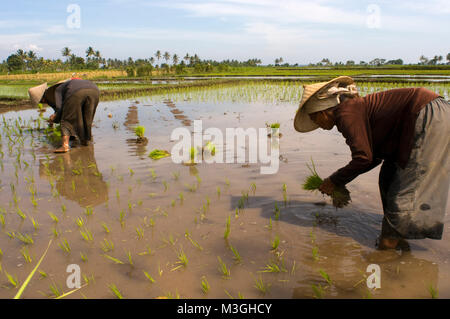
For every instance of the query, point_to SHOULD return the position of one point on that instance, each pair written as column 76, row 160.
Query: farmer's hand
column 51, row 119
column 327, row 187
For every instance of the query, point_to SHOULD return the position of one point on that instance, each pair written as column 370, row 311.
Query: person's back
column 381, row 125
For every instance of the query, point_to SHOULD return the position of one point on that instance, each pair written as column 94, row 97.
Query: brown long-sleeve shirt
column 379, row 126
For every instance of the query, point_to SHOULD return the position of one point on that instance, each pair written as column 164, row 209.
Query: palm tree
column 280, row 60
column 175, row 59
column 186, row 57
column 448, row 57
column 31, row 58
column 277, row 61
column 158, row 55
column 89, row 52
column 66, row 52
column 166, row 56
column 151, row 60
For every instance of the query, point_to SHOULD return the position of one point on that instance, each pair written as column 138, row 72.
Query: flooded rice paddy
column 152, row 228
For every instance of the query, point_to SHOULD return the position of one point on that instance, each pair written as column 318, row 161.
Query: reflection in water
column 77, row 176
column 131, row 121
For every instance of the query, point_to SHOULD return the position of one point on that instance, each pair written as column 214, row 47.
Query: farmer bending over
column 408, row 130
column 74, row 102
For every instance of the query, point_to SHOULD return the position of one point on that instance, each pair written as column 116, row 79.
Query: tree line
column 29, row 61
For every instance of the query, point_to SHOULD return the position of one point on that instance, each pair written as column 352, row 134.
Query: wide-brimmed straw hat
column 36, row 93
column 310, row 103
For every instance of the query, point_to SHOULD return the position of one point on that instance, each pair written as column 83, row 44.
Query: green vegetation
column 158, row 154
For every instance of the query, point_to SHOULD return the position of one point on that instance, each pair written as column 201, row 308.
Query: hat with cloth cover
column 319, row 97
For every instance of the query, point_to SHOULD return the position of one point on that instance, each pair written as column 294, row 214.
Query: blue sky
column 299, row 31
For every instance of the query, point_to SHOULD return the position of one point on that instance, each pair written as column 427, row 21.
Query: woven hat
column 310, row 103
column 36, row 93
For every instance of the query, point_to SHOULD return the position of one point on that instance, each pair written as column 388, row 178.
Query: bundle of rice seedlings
column 139, row 131
column 340, row 196
column 158, row 154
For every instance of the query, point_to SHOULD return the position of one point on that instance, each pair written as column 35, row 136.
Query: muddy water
column 153, row 210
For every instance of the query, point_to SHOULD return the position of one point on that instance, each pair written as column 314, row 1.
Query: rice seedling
column 182, row 260
column 115, row 260
column 261, row 285
column 275, row 243
column 115, row 291
column 43, row 274
column 176, row 175
column 131, row 171
column 223, row 268
column 84, row 257
column 434, row 293
column 166, row 186
column 218, row 191
column 26, row 254
column 53, row 217
column 87, row 235
column 205, row 285
column 181, row 196
column 139, row 131
column 193, row 242
column 107, row 245
column 326, row 277
column 63, row 208
column 340, row 196
column 11, row 279
column 277, row 212
column 140, row 232
column 64, row 245
column 315, row 253
column 30, row 276
column 88, row 211
column 150, row 278
column 153, row 174
column 55, row 232
column 147, row 252
column 273, row 267
column 122, row 218
column 158, row 154
column 25, row 238
column 237, row 257
column 2, row 220
column 88, row 279
column 253, row 188
column 318, row 291
column 130, row 260
column 21, row 214
column 269, row 226
column 105, row 228
column 80, row 222
column 293, row 269
column 227, row 228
